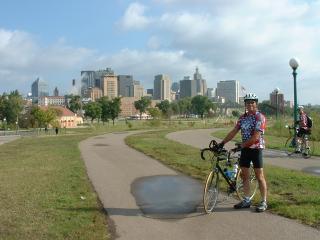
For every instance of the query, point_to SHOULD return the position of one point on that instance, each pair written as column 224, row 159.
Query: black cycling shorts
column 249, row 155
column 302, row 132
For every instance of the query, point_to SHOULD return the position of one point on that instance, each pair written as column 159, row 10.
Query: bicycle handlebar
column 214, row 147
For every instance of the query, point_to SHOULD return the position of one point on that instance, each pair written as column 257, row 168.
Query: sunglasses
column 250, row 102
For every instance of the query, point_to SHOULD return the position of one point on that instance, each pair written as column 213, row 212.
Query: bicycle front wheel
column 290, row 146
column 211, row 191
column 253, row 184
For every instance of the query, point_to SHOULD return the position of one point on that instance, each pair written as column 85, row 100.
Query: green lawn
column 291, row 193
column 42, row 181
column 45, row 192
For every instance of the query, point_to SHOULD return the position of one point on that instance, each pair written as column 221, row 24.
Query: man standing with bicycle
column 252, row 125
column 304, row 127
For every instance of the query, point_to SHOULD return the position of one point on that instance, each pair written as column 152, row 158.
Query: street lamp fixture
column 294, row 64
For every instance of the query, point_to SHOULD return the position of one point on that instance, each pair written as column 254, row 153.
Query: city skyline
column 249, row 41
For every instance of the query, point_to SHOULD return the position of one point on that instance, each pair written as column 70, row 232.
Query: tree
column 267, row 108
column 115, row 108
column 11, row 106
column 228, row 104
column 50, row 117
column 185, row 106
column 105, row 109
column 164, row 107
column 44, row 117
column 154, row 113
column 175, row 107
column 236, row 113
column 201, row 105
column 75, row 103
column 38, row 115
column 142, row 105
column 92, row 110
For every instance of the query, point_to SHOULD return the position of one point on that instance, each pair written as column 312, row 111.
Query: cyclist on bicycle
column 303, row 127
column 252, row 125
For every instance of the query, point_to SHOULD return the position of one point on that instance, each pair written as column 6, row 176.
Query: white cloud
column 22, row 60
column 154, row 43
column 134, row 18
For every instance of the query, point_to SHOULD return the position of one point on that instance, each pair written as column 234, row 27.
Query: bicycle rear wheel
column 290, row 146
column 211, row 191
column 252, row 181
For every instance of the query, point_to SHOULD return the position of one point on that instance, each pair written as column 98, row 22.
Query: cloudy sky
column 249, row 40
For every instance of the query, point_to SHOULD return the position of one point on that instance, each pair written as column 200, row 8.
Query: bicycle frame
column 231, row 183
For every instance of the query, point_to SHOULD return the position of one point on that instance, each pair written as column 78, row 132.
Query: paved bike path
column 114, row 169
column 200, row 138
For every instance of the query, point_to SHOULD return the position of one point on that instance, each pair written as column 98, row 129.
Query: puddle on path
column 312, row 170
column 168, row 196
column 101, row 145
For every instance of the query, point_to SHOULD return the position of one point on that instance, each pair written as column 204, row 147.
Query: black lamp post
column 277, row 102
column 5, row 125
column 294, row 64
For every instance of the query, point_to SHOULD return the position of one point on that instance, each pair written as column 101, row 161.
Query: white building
column 52, row 100
column 229, row 89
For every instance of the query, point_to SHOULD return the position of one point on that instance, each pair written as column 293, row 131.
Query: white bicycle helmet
column 300, row 107
column 251, row 96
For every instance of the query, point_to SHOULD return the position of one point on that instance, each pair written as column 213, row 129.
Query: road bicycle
column 224, row 167
column 294, row 147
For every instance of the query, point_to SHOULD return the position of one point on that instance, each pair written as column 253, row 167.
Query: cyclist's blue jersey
column 248, row 123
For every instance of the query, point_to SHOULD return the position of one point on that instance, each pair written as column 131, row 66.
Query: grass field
column 45, row 192
column 42, row 181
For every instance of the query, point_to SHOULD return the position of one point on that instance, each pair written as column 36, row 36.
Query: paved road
column 147, row 200
column 200, row 139
column 9, row 138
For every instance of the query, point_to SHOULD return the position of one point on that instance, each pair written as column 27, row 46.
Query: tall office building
column 138, row 91
column 211, row 93
column 109, row 85
column 74, row 89
column 229, row 90
column 188, row 88
column 201, row 84
column 175, row 87
column 39, row 88
column 150, row 92
column 161, row 90
column 87, row 81
column 125, row 85
column 94, row 93
column 277, row 100
column 91, row 79
column 56, row 92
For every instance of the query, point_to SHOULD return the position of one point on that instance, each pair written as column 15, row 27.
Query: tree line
column 13, row 111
